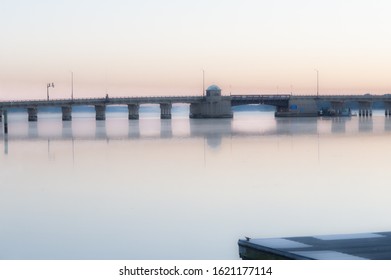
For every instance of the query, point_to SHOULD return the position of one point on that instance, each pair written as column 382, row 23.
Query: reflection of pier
column 217, row 128
column 134, row 129
column 32, row 130
column 365, row 125
column 338, row 125
column 296, row 126
column 213, row 130
column 66, row 130
column 165, row 129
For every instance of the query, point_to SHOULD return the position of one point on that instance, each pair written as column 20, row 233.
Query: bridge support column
column 337, row 106
column 100, row 112
column 365, row 109
column 387, row 109
column 133, row 110
column 33, row 114
column 66, row 113
column 211, row 109
column 1, row 115
column 165, row 110
column 300, row 107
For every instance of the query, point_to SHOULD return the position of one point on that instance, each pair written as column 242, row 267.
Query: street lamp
column 47, row 89
column 72, row 86
column 203, row 82
column 317, row 82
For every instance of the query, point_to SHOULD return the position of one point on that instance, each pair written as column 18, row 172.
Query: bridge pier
column 133, row 110
column 387, row 109
column 365, row 112
column 100, row 112
column 299, row 107
column 33, row 114
column 1, row 115
column 338, row 106
column 365, row 109
column 165, row 110
column 66, row 113
column 214, row 105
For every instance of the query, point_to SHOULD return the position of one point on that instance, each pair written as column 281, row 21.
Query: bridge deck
column 101, row 101
column 270, row 99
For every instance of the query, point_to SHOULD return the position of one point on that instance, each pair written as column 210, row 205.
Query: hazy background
column 154, row 47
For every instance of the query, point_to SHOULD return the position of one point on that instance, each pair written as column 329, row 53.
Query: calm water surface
column 186, row 189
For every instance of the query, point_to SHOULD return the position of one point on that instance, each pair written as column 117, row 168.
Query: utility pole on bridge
column 317, row 82
column 47, row 89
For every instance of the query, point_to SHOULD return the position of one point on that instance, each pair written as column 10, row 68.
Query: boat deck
column 361, row 246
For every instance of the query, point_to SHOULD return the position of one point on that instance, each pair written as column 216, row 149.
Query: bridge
column 133, row 104
column 211, row 105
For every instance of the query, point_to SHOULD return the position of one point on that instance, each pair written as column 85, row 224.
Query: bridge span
column 236, row 100
column 211, row 105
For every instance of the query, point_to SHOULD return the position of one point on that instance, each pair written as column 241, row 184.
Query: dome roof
column 213, row 87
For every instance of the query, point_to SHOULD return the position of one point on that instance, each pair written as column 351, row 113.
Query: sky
column 156, row 47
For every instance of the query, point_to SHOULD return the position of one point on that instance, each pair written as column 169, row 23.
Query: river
column 186, row 189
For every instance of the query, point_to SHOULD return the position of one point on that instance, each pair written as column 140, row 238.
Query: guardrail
column 181, row 99
column 100, row 101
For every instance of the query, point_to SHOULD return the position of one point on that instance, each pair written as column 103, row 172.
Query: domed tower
column 214, row 105
column 213, row 91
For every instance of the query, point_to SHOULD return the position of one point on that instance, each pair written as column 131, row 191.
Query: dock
column 360, row 246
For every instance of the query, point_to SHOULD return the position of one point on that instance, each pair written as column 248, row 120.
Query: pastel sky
column 156, row 47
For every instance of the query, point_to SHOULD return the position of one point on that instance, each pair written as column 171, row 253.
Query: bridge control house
column 212, row 106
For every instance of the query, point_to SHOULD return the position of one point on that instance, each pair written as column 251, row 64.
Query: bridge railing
column 121, row 100
column 260, row 97
column 102, row 100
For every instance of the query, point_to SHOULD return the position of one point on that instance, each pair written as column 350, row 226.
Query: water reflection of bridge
column 213, row 131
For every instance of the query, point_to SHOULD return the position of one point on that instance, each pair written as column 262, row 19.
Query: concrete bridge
column 212, row 105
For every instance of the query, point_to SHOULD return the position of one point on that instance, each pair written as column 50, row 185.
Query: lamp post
column 203, row 82
column 47, row 89
column 317, row 82
column 72, row 86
